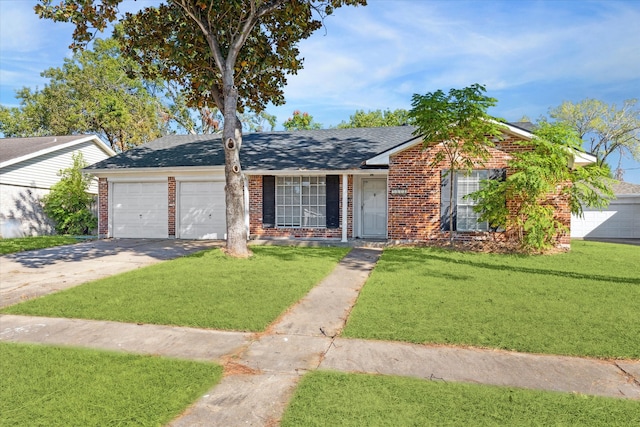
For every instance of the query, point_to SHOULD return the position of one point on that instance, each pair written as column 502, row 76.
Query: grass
column 205, row 290
column 8, row 246
column 585, row 302
column 337, row 399
column 43, row 386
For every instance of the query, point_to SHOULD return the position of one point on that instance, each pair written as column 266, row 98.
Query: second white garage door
column 201, row 210
column 140, row 210
column 621, row 219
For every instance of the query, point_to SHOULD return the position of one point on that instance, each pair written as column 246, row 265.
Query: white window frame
column 466, row 217
column 301, row 201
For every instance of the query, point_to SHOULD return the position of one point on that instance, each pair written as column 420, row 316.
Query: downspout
column 345, row 201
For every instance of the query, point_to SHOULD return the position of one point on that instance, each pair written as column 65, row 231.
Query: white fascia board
column 517, row 131
column 583, row 159
column 382, row 159
column 174, row 171
column 97, row 141
column 304, row 172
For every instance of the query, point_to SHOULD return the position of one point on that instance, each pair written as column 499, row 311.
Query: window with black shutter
column 464, row 217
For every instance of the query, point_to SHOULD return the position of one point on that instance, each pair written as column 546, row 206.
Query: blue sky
column 531, row 55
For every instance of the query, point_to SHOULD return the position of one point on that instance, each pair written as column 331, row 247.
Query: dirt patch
column 235, row 368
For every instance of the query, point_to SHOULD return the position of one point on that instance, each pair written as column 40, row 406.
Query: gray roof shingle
column 621, row 187
column 326, row 149
column 12, row 148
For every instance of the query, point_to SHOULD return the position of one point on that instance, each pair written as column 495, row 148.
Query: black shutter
column 268, row 201
column 499, row 174
column 446, row 180
column 333, row 201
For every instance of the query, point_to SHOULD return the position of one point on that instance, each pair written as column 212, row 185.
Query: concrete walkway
column 262, row 370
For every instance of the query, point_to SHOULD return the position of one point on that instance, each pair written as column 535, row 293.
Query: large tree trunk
column 234, row 189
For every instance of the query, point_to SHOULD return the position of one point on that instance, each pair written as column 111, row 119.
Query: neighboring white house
column 621, row 219
column 28, row 169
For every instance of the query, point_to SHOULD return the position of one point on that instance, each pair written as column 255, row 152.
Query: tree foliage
column 301, row 121
column 458, row 123
column 228, row 54
column 525, row 203
column 605, row 129
column 377, row 118
column 68, row 204
column 96, row 91
column 258, row 122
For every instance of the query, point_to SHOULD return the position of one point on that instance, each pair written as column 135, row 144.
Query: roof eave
column 97, row 141
column 100, row 173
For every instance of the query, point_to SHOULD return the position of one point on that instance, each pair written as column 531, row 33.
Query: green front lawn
column 205, row 290
column 585, row 302
column 337, row 399
column 8, row 246
column 45, row 386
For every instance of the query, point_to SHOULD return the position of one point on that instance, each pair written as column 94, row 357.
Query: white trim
column 208, row 178
column 583, row 159
column 172, row 171
column 97, row 141
column 382, row 159
column 306, row 172
column 345, row 201
column 517, row 131
column 163, row 178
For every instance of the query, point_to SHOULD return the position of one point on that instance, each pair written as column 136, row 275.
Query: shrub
column 68, row 204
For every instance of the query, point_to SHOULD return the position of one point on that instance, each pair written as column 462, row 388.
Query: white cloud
column 384, row 52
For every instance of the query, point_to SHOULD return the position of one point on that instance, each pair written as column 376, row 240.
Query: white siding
column 42, row 171
column 21, row 212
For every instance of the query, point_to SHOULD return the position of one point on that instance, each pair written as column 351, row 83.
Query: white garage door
column 140, row 210
column 620, row 220
column 201, row 210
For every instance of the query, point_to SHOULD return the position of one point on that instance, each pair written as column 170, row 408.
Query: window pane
column 300, row 201
column 467, row 219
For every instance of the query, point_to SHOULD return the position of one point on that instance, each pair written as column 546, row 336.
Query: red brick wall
column 171, row 182
column 103, row 208
column 255, row 216
column 416, row 215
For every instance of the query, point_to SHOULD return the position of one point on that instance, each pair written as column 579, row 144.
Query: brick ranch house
column 336, row 184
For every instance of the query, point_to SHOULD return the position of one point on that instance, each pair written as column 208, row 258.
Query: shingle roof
column 528, row 126
column 326, row 149
column 12, row 148
column 622, row 187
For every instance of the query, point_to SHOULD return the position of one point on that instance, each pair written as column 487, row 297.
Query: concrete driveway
column 26, row 275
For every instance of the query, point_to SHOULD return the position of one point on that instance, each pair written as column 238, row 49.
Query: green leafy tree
column 96, row 91
column 459, row 125
column 259, row 122
column 68, row 204
column 377, row 118
column 228, row 54
column 605, row 129
column 301, row 121
column 525, row 203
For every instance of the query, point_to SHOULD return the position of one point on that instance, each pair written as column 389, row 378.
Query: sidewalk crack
column 630, row 377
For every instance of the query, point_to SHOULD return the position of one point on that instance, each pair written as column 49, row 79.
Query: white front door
column 374, row 207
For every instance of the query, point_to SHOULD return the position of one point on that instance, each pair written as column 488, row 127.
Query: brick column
column 103, row 208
